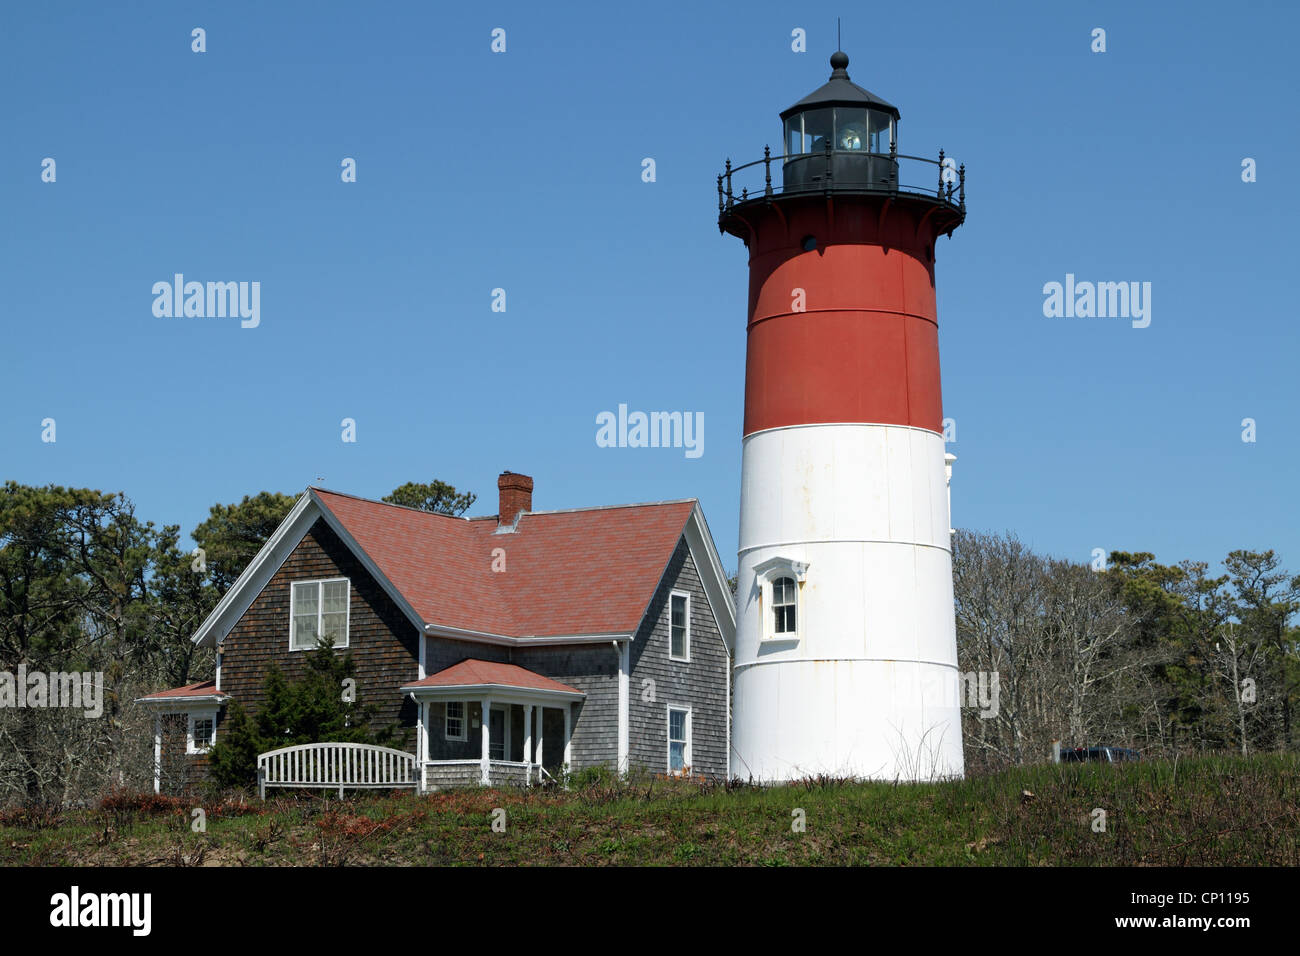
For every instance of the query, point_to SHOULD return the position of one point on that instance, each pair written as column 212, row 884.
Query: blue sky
column 522, row 170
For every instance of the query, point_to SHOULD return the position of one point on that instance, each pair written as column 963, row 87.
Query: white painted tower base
column 868, row 685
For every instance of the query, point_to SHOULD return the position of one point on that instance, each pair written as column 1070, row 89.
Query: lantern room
column 840, row 134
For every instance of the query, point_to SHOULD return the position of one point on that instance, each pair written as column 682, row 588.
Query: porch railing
column 469, row 772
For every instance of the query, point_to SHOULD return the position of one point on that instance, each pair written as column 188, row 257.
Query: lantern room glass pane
column 850, row 128
column 794, row 135
column 878, row 127
column 818, row 127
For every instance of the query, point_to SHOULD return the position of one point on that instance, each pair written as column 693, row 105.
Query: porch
column 491, row 724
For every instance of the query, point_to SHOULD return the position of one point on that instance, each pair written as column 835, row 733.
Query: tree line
column 1167, row 659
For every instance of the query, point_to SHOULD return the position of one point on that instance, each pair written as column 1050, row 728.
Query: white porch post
column 541, row 737
column 528, row 743
column 421, row 742
column 568, row 737
column 157, row 753
column 485, row 776
column 624, row 658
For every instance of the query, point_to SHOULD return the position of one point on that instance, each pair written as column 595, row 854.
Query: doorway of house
column 498, row 734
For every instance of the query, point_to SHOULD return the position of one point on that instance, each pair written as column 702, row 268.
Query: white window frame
column 191, row 747
column 686, row 658
column 687, row 757
column 766, row 574
column 320, row 610
column 464, row 720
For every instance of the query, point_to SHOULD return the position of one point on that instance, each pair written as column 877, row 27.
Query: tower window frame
column 779, row 582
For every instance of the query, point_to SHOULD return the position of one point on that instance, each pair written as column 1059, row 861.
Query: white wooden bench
column 354, row 766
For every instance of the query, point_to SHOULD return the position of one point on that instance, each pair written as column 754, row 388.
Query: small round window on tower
column 809, row 243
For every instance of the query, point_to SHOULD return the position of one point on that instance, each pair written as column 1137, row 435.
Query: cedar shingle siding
column 383, row 644
column 700, row 684
column 381, row 639
column 180, row 772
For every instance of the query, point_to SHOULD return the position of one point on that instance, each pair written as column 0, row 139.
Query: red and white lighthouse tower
column 846, row 658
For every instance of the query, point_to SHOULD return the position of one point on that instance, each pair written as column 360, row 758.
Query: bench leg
column 261, row 785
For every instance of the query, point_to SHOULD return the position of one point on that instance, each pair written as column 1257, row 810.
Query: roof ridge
column 635, row 504
column 547, row 511
column 387, row 504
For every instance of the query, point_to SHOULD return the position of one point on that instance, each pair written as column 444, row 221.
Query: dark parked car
column 1099, row 754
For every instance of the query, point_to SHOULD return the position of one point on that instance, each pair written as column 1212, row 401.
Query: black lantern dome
column 854, row 124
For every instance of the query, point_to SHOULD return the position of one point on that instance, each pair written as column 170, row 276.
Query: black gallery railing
column 843, row 170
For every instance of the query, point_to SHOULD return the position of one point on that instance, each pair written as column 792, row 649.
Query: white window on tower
column 679, row 626
column 318, row 610
column 679, row 739
column 779, row 590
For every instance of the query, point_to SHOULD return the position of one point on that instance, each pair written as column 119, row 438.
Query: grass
column 1205, row 811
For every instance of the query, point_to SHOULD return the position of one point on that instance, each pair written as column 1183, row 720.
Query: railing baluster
column 730, row 198
column 720, row 207
column 961, row 190
column 767, row 170
column 940, row 173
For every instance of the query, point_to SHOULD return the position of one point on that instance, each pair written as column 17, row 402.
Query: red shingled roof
column 204, row 688
column 590, row 571
column 475, row 673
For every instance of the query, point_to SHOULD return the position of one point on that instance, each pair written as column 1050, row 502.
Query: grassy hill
column 1204, row 811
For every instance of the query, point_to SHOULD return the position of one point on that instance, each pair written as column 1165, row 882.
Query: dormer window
column 779, row 582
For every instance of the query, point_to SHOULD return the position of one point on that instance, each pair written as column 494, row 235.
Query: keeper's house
column 504, row 648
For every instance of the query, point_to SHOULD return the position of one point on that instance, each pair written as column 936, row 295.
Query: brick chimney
column 516, row 493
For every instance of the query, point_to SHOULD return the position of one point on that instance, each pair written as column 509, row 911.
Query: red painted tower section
column 866, row 346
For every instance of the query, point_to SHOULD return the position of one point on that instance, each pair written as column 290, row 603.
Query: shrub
column 305, row 711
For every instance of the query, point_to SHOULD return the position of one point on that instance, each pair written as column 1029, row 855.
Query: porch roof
column 203, row 692
column 476, row 676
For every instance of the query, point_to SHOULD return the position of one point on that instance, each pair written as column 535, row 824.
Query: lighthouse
column 845, row 657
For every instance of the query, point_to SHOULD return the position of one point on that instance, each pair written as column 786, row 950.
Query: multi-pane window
column 679, row 739
column 320, row 610
column 202, row 732
column 455, row 729
column 680, row 626
column 783, row 605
